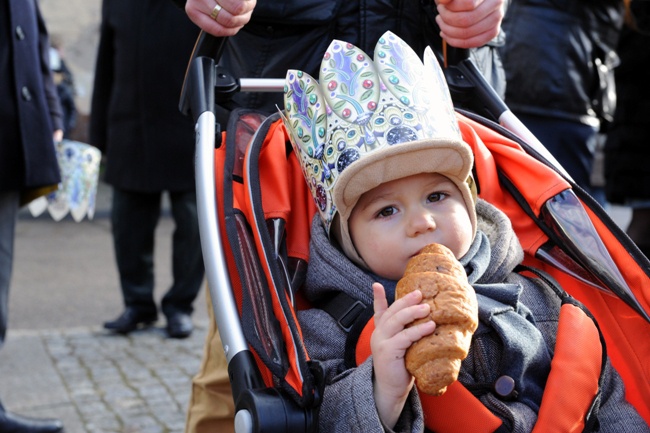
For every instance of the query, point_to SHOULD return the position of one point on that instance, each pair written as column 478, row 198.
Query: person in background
column 559, row 58
column 259, row 33
column 627, row 172
column 64, row 81
column 149, row 149
column 30, row 123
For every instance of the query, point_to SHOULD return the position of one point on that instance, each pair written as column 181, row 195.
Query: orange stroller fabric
column 284, row 195
column 626, row 333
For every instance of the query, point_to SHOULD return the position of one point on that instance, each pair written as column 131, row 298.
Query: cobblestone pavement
column 102, row 383
column 58, row 361
column 139, row 383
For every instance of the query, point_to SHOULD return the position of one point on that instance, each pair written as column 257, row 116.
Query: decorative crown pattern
column 360, row 107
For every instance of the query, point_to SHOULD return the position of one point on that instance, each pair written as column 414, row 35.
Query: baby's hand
column 469, row 23
column 388, row 343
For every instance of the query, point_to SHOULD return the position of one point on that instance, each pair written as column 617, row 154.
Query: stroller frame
column 206, row 84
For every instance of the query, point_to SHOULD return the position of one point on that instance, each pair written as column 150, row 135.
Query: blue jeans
column 134, row 218
column 8, row 214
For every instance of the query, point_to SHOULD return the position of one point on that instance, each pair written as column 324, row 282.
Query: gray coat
column 531, row 309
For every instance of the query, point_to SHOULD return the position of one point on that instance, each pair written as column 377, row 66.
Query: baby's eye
column 436, row 196
column 386, row 212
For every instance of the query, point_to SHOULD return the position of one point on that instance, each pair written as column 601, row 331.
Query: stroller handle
column 197, row 97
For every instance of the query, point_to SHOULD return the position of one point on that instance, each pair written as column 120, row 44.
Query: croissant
column 435, row 359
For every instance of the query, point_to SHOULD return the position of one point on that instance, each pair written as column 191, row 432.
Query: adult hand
column 58, row 135
column 469, row 23
column 234, row 14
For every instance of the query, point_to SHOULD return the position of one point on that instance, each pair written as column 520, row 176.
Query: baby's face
column 394, row 221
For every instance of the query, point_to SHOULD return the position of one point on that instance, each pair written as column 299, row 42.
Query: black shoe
column 179, row 325
column 14, row 423
column 129, row 321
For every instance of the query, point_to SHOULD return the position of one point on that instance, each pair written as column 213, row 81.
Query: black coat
column 29, row 107
column 627, row 172
column 294, row 34
column 144, row 49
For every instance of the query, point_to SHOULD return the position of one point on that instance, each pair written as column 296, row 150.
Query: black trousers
column 8, row 212
column 134, row 219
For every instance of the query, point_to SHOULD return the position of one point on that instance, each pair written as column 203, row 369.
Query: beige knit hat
column 368, row 123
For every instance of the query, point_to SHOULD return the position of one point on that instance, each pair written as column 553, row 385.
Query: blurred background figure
column 149, row 148
column 64, row 81
column 559, row 57
column 30, row 122
column 627, row 171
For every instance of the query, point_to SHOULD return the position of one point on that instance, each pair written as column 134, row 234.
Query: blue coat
column 559, row 57
column 29, row 107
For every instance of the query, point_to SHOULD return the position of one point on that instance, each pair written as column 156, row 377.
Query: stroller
column 255, row 213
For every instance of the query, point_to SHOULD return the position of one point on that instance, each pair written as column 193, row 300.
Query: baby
column 382, row 153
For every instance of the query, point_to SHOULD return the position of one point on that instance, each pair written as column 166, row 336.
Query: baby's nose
column 421, row 221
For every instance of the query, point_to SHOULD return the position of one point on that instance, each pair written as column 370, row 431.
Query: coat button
column 27, row 95
column 20, row 33
column 504, row 387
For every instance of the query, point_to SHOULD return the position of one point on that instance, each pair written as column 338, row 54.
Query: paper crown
column 363, row 107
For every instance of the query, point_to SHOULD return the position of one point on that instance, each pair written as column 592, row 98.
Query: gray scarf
column 501, row 311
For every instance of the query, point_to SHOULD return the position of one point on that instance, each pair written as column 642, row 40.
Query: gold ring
column 215, row 12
